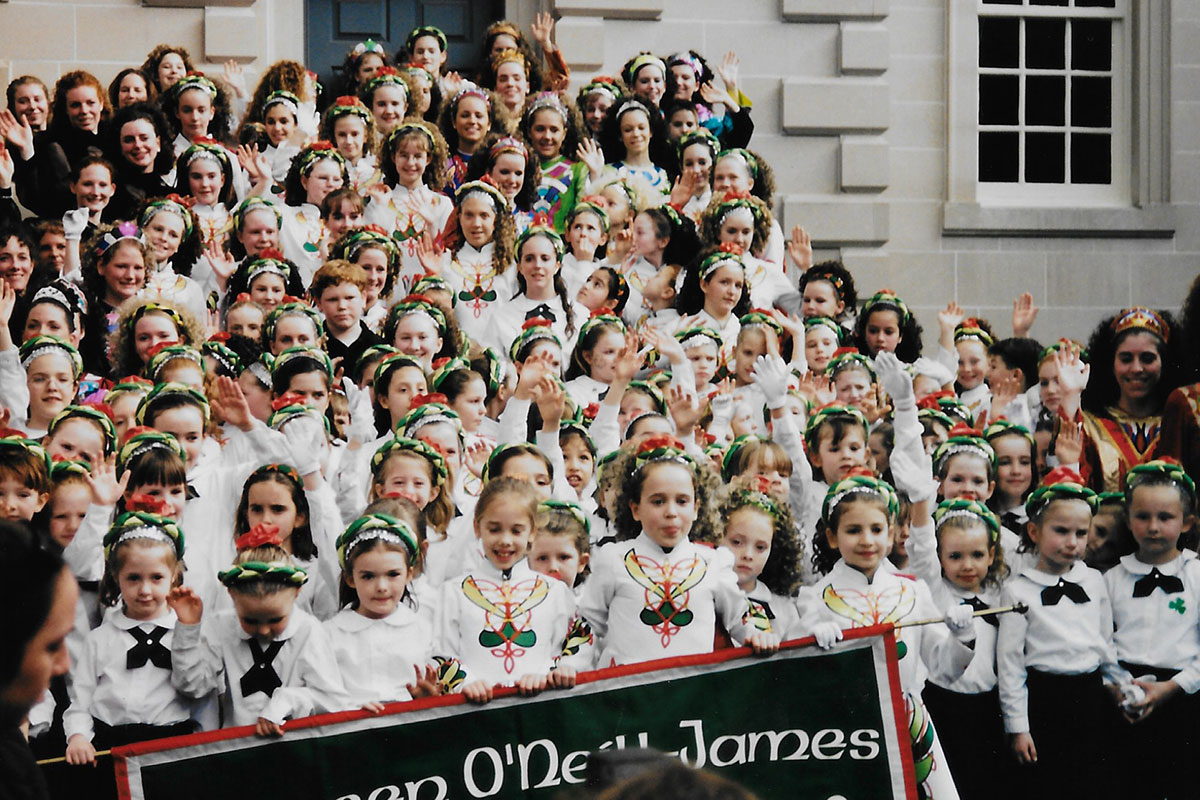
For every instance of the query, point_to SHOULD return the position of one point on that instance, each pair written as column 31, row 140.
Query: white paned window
column 1052, row 110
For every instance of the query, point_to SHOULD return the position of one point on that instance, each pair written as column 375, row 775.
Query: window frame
column 1136, row 207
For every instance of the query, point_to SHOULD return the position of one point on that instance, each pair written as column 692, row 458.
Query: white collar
column 351, row 621
column 1075, row 574
column 124, row 622
column 1136, row 567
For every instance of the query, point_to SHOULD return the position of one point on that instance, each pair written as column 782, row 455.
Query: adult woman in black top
column 139, row 146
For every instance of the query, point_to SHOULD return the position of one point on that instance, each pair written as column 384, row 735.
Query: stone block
column 986, row 278
column 832, row 10
column 610, row 9
column 864, row 164
column 864, row 49
column 110, row 31
column 581, row 39
column 230, row 33
column 837, row 221
column 20, row 34
column 1096, row 280
column 839, row 105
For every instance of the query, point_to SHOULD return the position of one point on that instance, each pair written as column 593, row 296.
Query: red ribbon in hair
column 263, row 533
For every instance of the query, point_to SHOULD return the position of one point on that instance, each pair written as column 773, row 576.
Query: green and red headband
column 376, row 527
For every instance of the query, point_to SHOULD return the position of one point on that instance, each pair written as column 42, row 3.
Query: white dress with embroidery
column 501, row 626
column 406, row 215
column 300, row 238
column 478, row 288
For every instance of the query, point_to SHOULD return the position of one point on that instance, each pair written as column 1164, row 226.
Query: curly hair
column 573, row 127
column 149, row 112
column 282, row 76
column 59, row 121
column 533, row 60
column 190, row 246
column 1102, row 392
column 710, row 224
column 90, row 261
column 532, row 67
column 781, row 573
column 824, row 555
column 183, row 186
column 829, row 271
column 762, row 176
column 149, row 68
column 504, row 235
column 293, row 190
column 482, row 161
column 998, row 570
column 121, row 344
column 499, row 121
column 114, row 88
column 435, row 170
column 704, row 483
column 348, row 80
column 690, row 299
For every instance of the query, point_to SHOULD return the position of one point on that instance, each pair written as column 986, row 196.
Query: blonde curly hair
column 121, row 345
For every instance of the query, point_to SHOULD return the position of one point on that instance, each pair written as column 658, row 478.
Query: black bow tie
column 979, row 605
column 192, row 494
column 148, row 648
column 1064, row 588
column 262, row 677
column 542, row 311
column 1010, row 520
column 1145, row 585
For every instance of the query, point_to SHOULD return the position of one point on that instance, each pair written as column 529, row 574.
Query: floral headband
column 758, row 494
column 1049, row 351
column 427, row 410
column 970, row 329
column 826, row 414
column 171, row 204
column 281, row 98
column 166, row 390
column 727, row 255
column 406, row 128
column 320, row 151
column 291, row 309
column 348, row 105
column 569, row 508
column 194, row 80
column 123, row 231
column 268, row 261
column 592, row 208
column 143, row 525
column 384, row 76
column 393, row 362
column 166, row 310
column 963, row 440
column 416, row 70
column 860, row 480
column 1141, row 318
column 759, row 318
column 604, row 85
column 508, row 144
column 350, row 245
column 421, row 306
column 471, row 90
column 702, row 136
column 442, row 369
column 691, row 338
column 1061, row 483
column 165, row 352
column 376, row 527
column 659, row 449
column 101, row 415
column 746, row 157
column 14, row 439
column 601, row 318
column 228, row 361
column 301, row 353
column 45, row 344
column 251, row 204
column 886, row 299
column 532, row 331
column 819, row 273
column 824, row 322
column 139, row 441
column 968, row 508
column 206, row 147
column 406, row 444
column 1004, row 427
column 369, row 46
column 287, row 408
column 546, row 232
column 484, row 189
column 1161, row 468
column 849, row 358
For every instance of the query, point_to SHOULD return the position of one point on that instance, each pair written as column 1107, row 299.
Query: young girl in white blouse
column 316, row 171
column 715, row 295
column 382, row 645
column 121, row 689
column 594, row 359
column 1053, row 660
column 1155, row 595
column 504, row 623
column 269, row 660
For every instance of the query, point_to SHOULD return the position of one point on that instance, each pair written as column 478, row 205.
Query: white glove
column 362, row 416
column 74, row 223
column 895, row 380
column 960, row 619
column 913, row 478
column 1132, row 697
column 826, row 633
column 771, row 376
column 307, row 441
column 722, row 409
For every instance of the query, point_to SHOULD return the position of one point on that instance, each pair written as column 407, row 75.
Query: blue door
column 335, row 26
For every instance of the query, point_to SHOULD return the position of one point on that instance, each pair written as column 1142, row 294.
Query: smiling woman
column 138, row 146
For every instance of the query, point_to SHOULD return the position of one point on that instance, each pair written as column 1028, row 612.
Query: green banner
column 802, row 723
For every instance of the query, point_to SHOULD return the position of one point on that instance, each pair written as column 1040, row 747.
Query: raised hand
column 1073, row 372
column 590, row 153
column 1024, row 314
column 106, row 488
column 229, row 403
column 236, row 78
column 684, row 408
column 1068, row 444
column 429, row 254
column 186, row 604
column 729, row 70
column 451, row 82
column 74, row 223
column 18, row 133
column 629, row 361
column 771, row 375
column 951, row 317
column 7, row 167
column 683, row 189
column 799, row 248
column 551, row 399
column 543, row 31
column 719, row 99
column 8, row 301
column 426, row 683
column 667, row 346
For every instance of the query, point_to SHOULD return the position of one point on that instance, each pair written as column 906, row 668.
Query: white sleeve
column 513, row 422
column 78, row 716
column 14, row 391
column 321, row 690
column 85, row 553
column 547, row 442
column 1010, row 667
column 196, row 666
